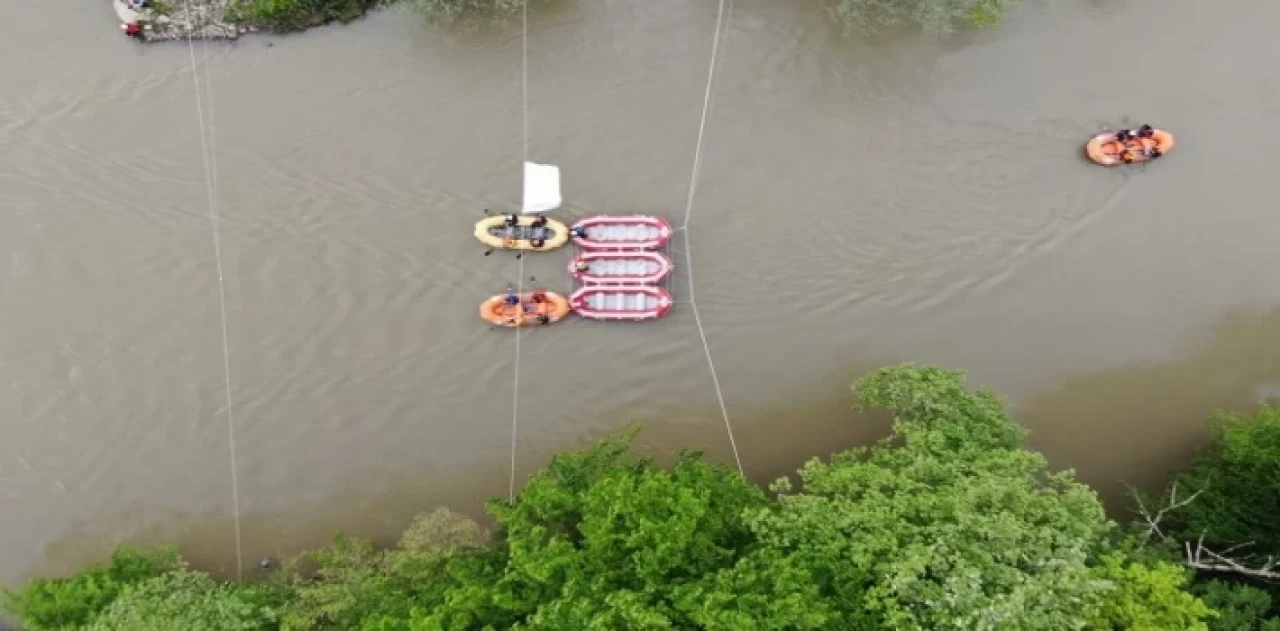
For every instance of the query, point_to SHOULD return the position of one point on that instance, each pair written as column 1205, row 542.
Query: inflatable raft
column 605, row 267
column 623, row 232
column 493, row 232
column 630, row 302
column 1104, row 149
column 496, row 311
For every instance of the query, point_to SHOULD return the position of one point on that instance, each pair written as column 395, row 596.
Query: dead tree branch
column 1198, row 556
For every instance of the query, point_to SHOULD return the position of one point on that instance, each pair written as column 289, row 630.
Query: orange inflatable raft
column 496, row 311
column 1104, row 149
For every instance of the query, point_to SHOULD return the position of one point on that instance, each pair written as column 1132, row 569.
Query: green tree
column 1238, row 479
column 946, row 524
column 1240, row 607
column 187, row 600
column 932, row 16
column 355, row 586
column 68, row 603
column 293, row 15
column 1146, row 598
column 602, row 539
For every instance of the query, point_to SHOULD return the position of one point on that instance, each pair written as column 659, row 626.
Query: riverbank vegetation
column 934, row 17
column 947, row 523
column 861, row 16
column 295, row 15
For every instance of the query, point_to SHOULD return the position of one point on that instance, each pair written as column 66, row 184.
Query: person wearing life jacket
column 578, row 231
column 132, row 29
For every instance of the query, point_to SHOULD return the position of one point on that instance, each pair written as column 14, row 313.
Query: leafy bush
column 355, row 586
column 1240, row 607
column 292, row 15
column 187, row 600
column 62, row 603
column 1239, row 481
column 932, row 16
column 603, row 539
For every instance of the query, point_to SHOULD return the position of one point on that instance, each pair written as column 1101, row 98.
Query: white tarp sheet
column 541, row 188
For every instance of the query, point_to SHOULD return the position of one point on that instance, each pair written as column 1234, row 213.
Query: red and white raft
column 622, row 232
column 621, row 302
column 611, row 267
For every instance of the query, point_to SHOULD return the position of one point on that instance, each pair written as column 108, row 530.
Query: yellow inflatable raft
column 493, row 232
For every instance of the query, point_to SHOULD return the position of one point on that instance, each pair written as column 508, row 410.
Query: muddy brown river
column 861, row 202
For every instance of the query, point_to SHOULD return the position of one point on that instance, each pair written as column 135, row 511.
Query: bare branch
column 1153, row 521
column 1200, row 557
column 1221, row 563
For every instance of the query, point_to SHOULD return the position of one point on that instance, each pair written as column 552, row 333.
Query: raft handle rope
column 688, row 245
column 208, row 151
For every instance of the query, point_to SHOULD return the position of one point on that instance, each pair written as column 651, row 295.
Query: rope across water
column 684, row 227
column 524, row 127
column 208, row 152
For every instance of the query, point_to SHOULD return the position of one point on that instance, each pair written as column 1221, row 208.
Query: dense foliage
column 70, row 603
column 949, row 523
column 293, row 15
column 931, row 16
column 1240, row 479
column 1228, row 500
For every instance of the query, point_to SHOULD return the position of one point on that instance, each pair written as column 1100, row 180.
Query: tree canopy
column 1239, row 480
column 1221, row 516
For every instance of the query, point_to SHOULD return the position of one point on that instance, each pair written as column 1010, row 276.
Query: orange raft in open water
column 496, row 311
column 1104, row 149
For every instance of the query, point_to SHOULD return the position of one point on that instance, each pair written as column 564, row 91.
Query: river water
column 861, row 202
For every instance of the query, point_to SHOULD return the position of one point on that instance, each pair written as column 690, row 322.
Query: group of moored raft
column 620, row 268
column 1129, row 146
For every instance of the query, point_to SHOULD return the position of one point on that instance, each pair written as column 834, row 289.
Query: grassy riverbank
column 948, row 523
column 295, row 15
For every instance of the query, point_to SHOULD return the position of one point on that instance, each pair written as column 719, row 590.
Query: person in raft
column 582, row 266
column 578, row 231
column 544, row 318
column 538, row 231
column 509, row 224
column 512, row 299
